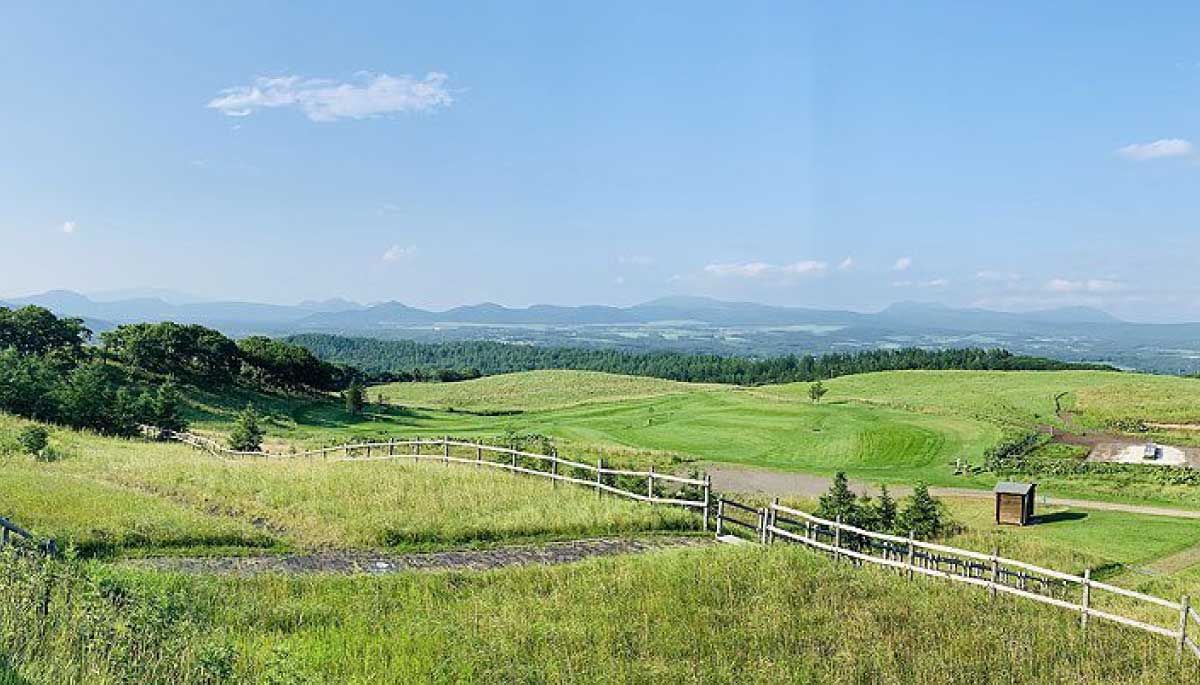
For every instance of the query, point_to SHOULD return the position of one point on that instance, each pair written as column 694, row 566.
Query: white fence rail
column 448, row 451
column 990, row 571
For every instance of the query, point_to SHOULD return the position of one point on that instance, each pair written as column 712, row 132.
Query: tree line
column 405, row 360
column 51, row 371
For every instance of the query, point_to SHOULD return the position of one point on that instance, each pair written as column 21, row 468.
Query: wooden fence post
column 446, row 451
column 599, row 468
column 1087, row 599
column 391, row 447
column 478, row 455
column 1184, row 607
column 512, row 460
column 347, row 451
column 368, row 450
column 707, row 490
column 995, row 571
column 720, row 515
column 771, row 517
column 650, row 483
column 762, row 526
column 912, row 552
column 554, row 469
column 837, row 537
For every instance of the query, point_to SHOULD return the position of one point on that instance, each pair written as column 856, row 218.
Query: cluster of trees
column 206, row 357
column 56, row 381
column 403, row 360
column 922, row 514
column 49, row 371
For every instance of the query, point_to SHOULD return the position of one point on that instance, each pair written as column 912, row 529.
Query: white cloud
column 1159, row 149
column 1094, row 285
column 938, row 283
column 746, row 270
column 69, row 227
column 902, row 264
column 846, row 264
column 396, row 253
column 990, row 275
column 806, row 267
column 327, row 100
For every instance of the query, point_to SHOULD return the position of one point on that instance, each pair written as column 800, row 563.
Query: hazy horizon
column 842, row 157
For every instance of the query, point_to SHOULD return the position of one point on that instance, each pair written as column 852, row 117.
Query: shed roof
column 1008, row 488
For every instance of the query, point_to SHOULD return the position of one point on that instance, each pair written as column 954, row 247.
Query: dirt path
column 741, row 479
column 380, row 563
column 1176, row 562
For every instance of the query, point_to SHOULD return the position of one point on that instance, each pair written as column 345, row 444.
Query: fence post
column 1087, row 599
column 995, row 571
column 599, row 468
column 762, row 526
column 368, row 450
column 446, row 450
column 554, row 469
column 512, row 459
column 912, row 552
column 650, row 484
column 478, row 454
column 391, row 447
column 1184, row 607
column 837, row 537
column 707, row 489
column 347, row 451
column 720, row 515
column 772, row 514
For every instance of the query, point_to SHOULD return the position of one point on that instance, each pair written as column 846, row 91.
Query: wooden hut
column 1014, row 503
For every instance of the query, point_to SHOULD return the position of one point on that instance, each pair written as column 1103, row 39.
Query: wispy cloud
column 397, row 253
column 327, row 100
column 846, row 264
column 902, row 264
column 1094, row 285
column 1159, row 149
column 69, row 227
column 763, row 269
column 998, row 276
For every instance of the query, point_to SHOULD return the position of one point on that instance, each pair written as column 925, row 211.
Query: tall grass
column 718, row 615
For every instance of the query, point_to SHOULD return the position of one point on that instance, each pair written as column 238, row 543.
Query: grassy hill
column 531, row 391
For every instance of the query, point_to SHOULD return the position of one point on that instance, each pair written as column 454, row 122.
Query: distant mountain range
column 684, row 323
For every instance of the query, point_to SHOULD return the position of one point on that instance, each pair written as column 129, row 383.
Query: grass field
column 113, row 496
column 720, row 615
column 531, row 391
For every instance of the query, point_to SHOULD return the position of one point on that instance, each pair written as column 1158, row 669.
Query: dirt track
column 378, row 563
column 740, row 479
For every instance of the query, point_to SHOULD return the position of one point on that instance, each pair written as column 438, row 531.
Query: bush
column 33, row 439
column 247, row 435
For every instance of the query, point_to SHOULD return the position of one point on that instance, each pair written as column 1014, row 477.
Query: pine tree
column 246, row 435
column 923, row 515
column 839, row 501
column 168, row 408
column 885, row 511
column 355, row 397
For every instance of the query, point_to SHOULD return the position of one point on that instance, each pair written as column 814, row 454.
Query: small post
column 707, row 490
column 554, row 469
column 1087, row 599
column 762, row 526
column 446, row 451
column 772, row 514
column 912, row 552
column 347, row 451
column 512, row 459
column 720, row 515
column 837, row 536
column 368, row 450
column 808, row 533
column 650, row 484
column 995, row 571
column 478, row 455
column 391, row 447
column 599, row 468
column 1184, row 607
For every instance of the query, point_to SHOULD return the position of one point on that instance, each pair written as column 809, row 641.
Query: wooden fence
column 652, row 487
column 11, row 533
column 992, row 572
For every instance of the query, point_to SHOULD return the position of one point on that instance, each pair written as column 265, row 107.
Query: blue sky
column 1008, row 155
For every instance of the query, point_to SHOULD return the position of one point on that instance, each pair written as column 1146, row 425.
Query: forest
column 404, row 360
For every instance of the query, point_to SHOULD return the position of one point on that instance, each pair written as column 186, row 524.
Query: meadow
column 718, row 615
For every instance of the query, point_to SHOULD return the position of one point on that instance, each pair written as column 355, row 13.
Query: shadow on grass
column 1059, row 516
column 8, row 673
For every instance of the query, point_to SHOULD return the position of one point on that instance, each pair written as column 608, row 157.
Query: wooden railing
column 990, row 571
column 448, row 451
column 11, row 532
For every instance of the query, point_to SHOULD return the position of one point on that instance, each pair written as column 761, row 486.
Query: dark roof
column 1007, row 488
